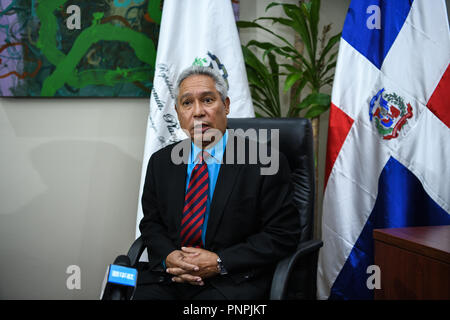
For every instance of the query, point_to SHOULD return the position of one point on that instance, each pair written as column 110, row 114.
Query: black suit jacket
column 252, row 222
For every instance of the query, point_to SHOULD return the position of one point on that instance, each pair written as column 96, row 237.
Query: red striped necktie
column 195, row 204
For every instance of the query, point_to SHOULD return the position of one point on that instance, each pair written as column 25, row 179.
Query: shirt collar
column 216, row 152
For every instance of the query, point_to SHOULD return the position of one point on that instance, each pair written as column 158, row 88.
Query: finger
column 187, row 266
column 191, row 250
column 191, row 254
column 188, row 279
column 175, row 271
column 177, row 279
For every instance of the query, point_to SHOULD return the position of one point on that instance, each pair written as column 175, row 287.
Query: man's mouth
column 201, row 128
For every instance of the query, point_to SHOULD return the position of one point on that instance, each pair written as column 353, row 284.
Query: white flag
column 200, row 32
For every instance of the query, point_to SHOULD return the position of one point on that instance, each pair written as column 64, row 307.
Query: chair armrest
column 284, row 268
column 135, row 251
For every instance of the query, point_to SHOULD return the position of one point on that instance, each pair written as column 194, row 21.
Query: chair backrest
column 296, row 143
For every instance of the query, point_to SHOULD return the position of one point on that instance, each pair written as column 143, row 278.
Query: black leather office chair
column 295, row 276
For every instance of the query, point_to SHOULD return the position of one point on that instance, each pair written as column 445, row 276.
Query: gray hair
column 221, row 85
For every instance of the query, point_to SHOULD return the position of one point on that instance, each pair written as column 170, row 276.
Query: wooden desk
column 414, row 262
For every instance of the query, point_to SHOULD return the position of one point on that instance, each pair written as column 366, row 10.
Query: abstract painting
column 70, row 48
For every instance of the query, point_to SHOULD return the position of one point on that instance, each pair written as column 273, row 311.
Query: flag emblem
column 211, row 60
column 389, row 113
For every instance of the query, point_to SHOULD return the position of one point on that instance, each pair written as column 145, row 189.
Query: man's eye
column 208, row 100
column 186, row 103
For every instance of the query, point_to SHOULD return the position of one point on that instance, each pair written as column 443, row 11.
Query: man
column 214, row 227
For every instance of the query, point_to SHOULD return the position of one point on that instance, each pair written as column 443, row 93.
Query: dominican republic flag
column 200, row 32
column 388, row 157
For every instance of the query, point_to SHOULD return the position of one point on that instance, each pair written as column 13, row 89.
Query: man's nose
column 198, row 109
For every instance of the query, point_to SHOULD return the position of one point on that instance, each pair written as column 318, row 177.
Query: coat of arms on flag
column 389, row 113
column 211, row 60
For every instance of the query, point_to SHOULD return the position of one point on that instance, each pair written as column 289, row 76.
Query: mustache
column 201, row 126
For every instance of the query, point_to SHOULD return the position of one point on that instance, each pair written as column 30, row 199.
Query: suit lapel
column 177, row 182
column 224, row 185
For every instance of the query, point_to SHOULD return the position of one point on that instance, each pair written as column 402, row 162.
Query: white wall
column 69, row 179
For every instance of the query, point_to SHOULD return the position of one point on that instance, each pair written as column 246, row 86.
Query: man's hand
column 204, row 260
column 176, row 261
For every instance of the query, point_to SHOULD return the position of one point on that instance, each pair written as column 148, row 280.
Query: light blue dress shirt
column 213, row 164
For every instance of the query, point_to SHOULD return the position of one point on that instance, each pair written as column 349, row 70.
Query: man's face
column 201, row 110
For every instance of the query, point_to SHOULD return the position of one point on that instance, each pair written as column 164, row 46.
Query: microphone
column 120, row 280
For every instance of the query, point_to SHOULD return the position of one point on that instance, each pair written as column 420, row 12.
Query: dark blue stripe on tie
column 197, row 230
column 195, row 180
column 200, row 187
column 196, row 175
column 195, row 216
column 191, row 208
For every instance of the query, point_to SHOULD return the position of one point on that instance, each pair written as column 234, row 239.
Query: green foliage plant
column 313, row 68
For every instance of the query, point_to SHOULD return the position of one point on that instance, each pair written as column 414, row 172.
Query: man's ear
column 227, row 105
